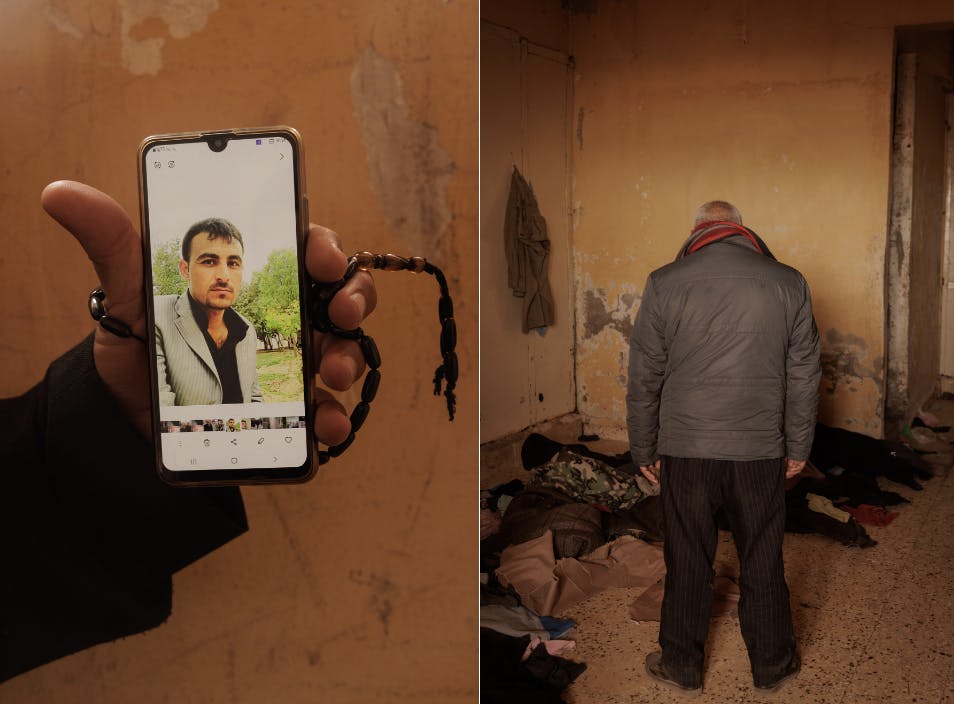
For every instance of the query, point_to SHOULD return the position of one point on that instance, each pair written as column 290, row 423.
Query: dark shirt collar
column 224, row 357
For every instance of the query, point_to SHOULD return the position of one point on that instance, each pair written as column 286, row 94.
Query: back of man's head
column 214, row 228
column 718, row 211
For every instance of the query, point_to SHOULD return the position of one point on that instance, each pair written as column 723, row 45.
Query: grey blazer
column 187, row 375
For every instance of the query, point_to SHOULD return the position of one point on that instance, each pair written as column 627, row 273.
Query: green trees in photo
column 166, row 278
column 270, row 301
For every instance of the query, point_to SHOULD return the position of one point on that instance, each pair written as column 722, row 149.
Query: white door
column 525, row 117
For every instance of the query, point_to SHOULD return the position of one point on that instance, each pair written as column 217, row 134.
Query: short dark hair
column 215, row 227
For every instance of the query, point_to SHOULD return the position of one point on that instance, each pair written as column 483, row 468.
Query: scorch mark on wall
column 844, row 360
column 410, row 170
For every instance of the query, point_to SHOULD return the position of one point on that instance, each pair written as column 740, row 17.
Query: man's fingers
column 354, row 302
column 107, row 234
column 324, row 259
column 331, row 421
column 341, row 361
column 793, row 467
column 651, row 472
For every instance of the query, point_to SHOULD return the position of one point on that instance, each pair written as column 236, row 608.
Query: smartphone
column 224, row 218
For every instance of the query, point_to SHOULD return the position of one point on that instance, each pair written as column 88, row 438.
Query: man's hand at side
column 793, row 467
column 110, row 240
column 651, row 471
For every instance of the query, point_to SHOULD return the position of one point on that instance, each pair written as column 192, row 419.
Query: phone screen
column 222, row 218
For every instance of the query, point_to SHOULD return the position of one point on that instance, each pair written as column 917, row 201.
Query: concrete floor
column 873, row 625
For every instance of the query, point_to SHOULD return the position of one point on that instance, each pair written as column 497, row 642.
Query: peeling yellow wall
column 783, row 109
column 356, row 587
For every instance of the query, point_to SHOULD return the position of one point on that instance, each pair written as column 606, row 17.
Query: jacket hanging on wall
column 528, row 252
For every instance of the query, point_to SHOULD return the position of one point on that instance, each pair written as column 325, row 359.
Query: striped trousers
column 752, row 495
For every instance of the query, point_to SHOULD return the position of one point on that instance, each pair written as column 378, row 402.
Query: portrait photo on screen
column 225, row 275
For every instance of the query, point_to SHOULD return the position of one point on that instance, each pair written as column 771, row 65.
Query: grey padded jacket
column 723, row 359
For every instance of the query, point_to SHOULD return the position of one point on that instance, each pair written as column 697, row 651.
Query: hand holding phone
column 107, row 234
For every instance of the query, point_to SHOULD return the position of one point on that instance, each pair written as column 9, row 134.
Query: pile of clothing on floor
column 586, row 521
column 841, row 492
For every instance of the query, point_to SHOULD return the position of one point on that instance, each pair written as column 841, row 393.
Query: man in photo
column 205, row 350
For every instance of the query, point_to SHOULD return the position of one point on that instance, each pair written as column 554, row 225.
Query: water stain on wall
column 143, row 33
column 410, row 170
column 606, row 317
column 599, row 314
column 844, row 361
column 62, row 20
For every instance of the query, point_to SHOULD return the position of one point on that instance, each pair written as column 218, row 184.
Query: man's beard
column 212, row 298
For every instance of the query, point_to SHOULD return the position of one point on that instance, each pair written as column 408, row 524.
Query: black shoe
column 655, row 670
column 793, row 668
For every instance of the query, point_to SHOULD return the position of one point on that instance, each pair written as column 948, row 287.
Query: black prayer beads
column 444, row 376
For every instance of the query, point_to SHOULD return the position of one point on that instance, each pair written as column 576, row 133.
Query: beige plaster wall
column 358, row 586
column 783, row 109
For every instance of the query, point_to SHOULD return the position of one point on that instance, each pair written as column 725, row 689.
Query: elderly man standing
column 721, row 404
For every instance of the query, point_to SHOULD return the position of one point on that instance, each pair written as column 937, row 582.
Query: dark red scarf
column 714, row 231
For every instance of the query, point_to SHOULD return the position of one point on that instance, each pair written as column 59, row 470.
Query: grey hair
column 718, row 210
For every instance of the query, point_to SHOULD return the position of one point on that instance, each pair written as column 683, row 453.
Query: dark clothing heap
column 559, row 541
column 506, row 678
column 552, row 501
column 848, row 489
column 851, row 462
column 91, row 535
column 866, row 456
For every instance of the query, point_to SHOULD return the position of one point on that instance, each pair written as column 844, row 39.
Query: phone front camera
column 217, row 144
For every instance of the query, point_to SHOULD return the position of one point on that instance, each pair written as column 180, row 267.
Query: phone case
column 166, row 146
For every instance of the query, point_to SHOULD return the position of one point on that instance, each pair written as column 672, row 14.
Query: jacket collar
column 706, row 233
